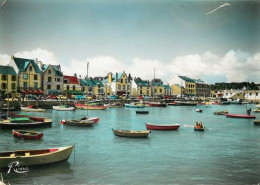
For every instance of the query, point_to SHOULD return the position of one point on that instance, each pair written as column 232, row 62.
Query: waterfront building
column 142, row 88
column 177, row 90
column 92, row 87
column 167, row 91
column 52, row 79
column 8, row 80
column 121, row 84
column 252, row 95
column 195, row 87
column 72, row 85
column 233, row 94
column 157, row 88
column 29, row 75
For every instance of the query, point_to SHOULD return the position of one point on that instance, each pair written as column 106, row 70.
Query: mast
column 7, row 92
column 153, row 82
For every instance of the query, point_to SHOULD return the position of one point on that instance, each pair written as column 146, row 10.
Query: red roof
column 72, row 79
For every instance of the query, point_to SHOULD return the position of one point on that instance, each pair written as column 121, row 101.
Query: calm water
column 228, row 152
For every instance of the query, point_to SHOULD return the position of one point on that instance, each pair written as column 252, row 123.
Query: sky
column 217, row 41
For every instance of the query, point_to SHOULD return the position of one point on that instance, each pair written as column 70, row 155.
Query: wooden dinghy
column 131, row 133
column 199, row 128
column 241, row 116
column 224, row 112
column 142, row 112
column 24, row 134
column 90, row 107
column 151, row 126
column 257, row 122
column 32, row 108
column 63, row 108
column 35, row 157
column 78, row 123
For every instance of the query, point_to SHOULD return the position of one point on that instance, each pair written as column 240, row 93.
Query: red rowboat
column 151, row 126
column 241, row 116
column 156, row 104
column 23, row 134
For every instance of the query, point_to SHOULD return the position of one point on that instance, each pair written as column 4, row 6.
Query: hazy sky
column 174, row 37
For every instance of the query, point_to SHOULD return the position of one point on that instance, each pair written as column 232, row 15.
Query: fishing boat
column 199, row 110
column 131, row 133
column 223, row 112
column 241, row 116
column 63, row 108
column 156, row 104
column 35, row 157
column 257, row 110
column 151, row 126
column 114, row 105
column 257, row 122
column 24, row 134
column 24, row 121
column 79, row 123
column 142, row 112
column 199, row 128
column 32, row 108
column 173, row 104
column 187, row 103
column 90, row 107
column 135, row 105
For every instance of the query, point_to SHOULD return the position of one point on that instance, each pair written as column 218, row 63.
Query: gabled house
column 157, row 88
column 143, row 87
column 72, row 85
column 167, row 91
column 52, row 82
column 29, row 75
column 92, row 86
column 8, row 80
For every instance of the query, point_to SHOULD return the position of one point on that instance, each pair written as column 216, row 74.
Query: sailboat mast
column 153, row 82
column 7, row 92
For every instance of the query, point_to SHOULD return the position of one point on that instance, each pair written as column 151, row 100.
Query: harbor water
column 228, row 152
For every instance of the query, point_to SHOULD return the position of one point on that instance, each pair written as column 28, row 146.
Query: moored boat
column 35, row 157
column 241, row 116
column 257, row 110
column 24, row 134
column 156, row 104
column 257, row 122
column 173, row 104
column 63, row 108
column 199, row 110
column 131, row 133
column 90, row 107
column 223, row 112
column 78, row 123
column 32, row 108
column 151, row 126
column 134, row 105
column 199, row 128
column 24, row 121
column 142, row 112
column 114, row 105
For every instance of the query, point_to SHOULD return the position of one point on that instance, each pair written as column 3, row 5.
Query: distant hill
column 235, row 85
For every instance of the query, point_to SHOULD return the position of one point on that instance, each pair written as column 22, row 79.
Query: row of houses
column 29, row 76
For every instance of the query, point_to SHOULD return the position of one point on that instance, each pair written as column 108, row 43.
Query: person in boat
column 196, row 124
column 248, row 111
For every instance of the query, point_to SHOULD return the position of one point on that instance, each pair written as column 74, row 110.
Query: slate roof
column 23, row 63
column 91, row 82
column 142, row 83
column 7, row 70
column 187, row 79
column 55, row 68
column 167, row 87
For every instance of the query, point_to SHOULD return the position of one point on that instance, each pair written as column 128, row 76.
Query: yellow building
column 8, row 80
column 176, row 90
column 195, row 87
column 121, row 84
column 143, row 88
column 29, row 75
column 92, row 87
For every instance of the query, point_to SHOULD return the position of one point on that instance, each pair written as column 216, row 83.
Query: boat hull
column 59, row 108
column 89, row 107
column 198, row 129
column 241, row 116
column 53, row 156
column 142, row 112
column 257, row 122
column 22, row 134
column 78, row 123
column 132, row 134
column 157, row 104
column 150, row 126
column 32, row 109
column 134, row 106
column 11, row 125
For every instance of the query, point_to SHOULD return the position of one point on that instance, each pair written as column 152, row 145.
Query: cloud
column 235, row 66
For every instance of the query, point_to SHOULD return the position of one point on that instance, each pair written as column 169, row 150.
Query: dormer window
column 30, row 68
column 49, row 71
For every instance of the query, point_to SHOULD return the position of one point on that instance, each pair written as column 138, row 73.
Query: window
column 58, row 87
column 49, row 79
column 256, row 94
column 30, row 68
column 68, row 87
column 160, row 90
column 119, row 87
column 125, row 80
column 25, row 84
column 48, row 86
column 58, row 79
column 128, row 87
column 13, row 78
column 124, row 87
column 141, row 92
column 13, row 86
column 4, row 77
column 121, row 80
column 49, row 71
column 147, row 92
column 250, row 94
column 25, row 76
column 35, row 84
column 4, row 86
column 35, row 77
column 83, row 88
column 74, row 88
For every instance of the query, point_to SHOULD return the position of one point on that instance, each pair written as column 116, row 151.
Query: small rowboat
column 63, row 108
column 35, row 157
column 79, row 123
column 199, row 110
column 257, row 122
column 90, row 107
column 199, row 128
column 224, row 112
column 241, row 116
column 23, row 134
column 257, row 110
column 142, row 112
column 32, row 108
column 156, row 104
column 151, row 126
column 131, row 133
column 173, row 104
column 134, row 105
